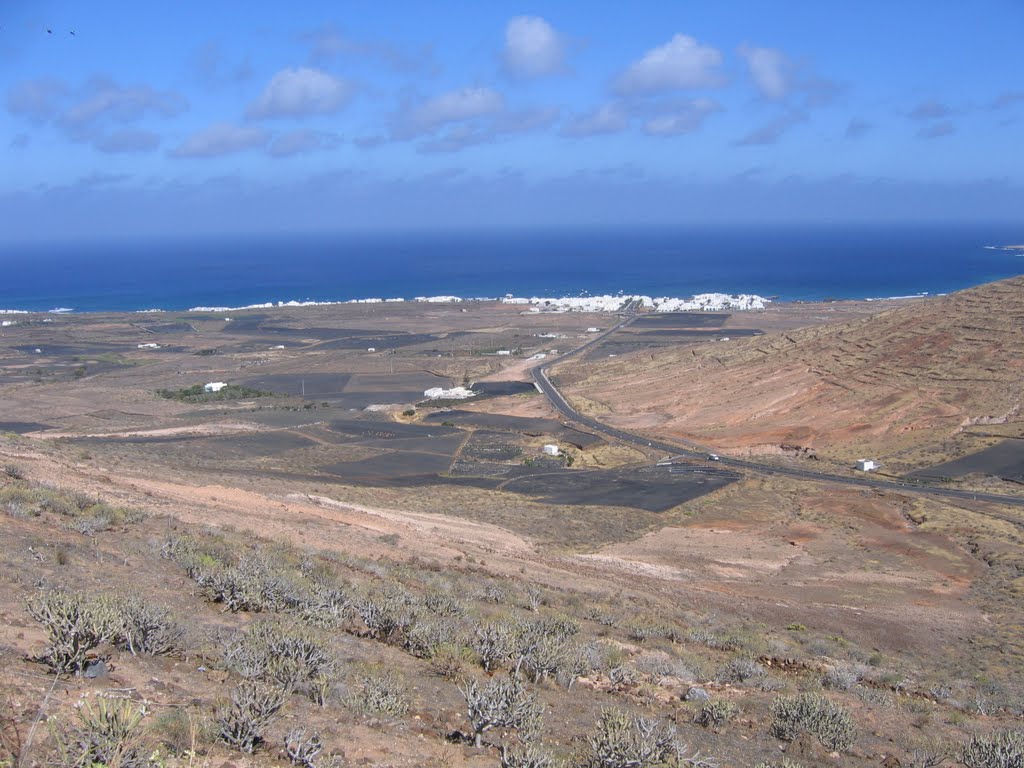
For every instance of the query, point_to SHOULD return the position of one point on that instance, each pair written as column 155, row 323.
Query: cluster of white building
column 607, row 303
column 455, row 393
column 707, row 302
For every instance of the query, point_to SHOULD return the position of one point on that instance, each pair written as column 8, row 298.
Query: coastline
column 607, row 303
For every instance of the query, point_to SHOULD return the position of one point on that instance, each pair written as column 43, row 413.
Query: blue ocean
column 786, row 262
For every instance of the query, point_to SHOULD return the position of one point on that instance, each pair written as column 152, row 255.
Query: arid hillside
column 888, row 383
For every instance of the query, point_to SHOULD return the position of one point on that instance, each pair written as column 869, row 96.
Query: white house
column 551, row 449
column 866, row 465
column 214, row 386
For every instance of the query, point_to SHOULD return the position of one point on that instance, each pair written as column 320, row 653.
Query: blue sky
column 194, row 118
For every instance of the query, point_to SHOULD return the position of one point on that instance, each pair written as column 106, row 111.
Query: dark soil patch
column 503, row 388
column 649, row 490
column 522, row 424
column 380, row 430
column 1004, row 460
column 682, row 320
column 235, row 446
column 379, row 342
column 179, row 327
column 446, row 444
column 408, row 466
column 22, row 427
column 491, row 446
column 412, row 383
column 69, row 350
column 684, row 334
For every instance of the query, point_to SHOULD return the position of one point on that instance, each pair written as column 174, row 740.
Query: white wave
column 896, row 298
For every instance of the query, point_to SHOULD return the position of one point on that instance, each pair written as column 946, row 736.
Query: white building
column 551, row 449
column 866, row 465
column 214, row 386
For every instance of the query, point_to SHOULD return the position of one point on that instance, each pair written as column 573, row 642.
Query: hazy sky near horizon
column 125, row 118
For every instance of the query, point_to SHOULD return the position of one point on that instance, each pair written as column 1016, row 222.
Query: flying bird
column 49, row 31
column 72, row 33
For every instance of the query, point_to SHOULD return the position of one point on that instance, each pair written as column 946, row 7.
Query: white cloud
column 607, row 118
column 484, row 132
column 532, row 47
column 772, row 131
column 686, row 119
column 931, row 110
column 302, row 141
column 37, row 99
column 106, row 99
column 680, row 63
column 937, row 130
column 300, row 92
column 221, row 139
column 129, row 140
column 770, row 69
column 452, row 107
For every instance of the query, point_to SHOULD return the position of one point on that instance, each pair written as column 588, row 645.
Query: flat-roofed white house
column 214, row 386
column 866, row 465
column 551, row 449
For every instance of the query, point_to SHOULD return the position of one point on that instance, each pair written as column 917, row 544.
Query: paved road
column 540, row 376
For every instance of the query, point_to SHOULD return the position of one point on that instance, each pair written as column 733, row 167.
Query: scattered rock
column 696, row 693
column 95, row 670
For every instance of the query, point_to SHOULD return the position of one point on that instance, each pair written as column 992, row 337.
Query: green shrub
column 624, row 740
column 182, row 731
column 253, row 585
column 74, row 624
column 379, row 691
column 814, row 714
column 527, row 755
column 108, row 733
column 293, row 658
column 141, row 628
column 999, row 750
column 739, row 670
column 450, row 661
column 495, row 642
column 502, row 703
column 242, row 721
column 714, row 713
column 302, row 750
column 197, row 394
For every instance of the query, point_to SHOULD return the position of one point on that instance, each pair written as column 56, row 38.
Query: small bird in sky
column 49, row 31
column 72, row 33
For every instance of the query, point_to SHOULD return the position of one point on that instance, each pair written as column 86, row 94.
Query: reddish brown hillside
column 914, row 374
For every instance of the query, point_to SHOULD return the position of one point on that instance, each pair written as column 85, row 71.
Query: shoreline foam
column 701, row 302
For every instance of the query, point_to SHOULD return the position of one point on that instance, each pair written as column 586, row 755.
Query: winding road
column 543, row 381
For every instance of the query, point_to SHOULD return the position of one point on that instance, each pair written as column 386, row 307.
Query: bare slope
column 907, row 376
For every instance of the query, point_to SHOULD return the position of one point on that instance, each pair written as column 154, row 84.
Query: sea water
column 788, row 262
